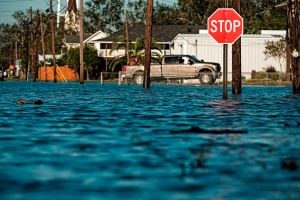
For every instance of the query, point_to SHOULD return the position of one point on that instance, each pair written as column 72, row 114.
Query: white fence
column 112, row 76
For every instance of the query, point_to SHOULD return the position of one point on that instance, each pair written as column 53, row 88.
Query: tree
column 103, row 15
column 22, row 28
column 6, row 44
column 136, row 51
column 91, row 61
column 257, row 14
column 71, row 58
column 192, row 12
column 165, row 14
column 276, row 50
column 136, row 11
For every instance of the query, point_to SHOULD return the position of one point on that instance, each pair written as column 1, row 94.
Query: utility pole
column 16, row 56
column 53, row 41
column 32, row 46
column 225, row 64
column 43, row 45
column 36, row 53
column 294, row 41
column 29, row 43
column 27, row 50
column 288, row 48
column 148, row 36
column 127, row 38
column 81, row 41
column 236, row 57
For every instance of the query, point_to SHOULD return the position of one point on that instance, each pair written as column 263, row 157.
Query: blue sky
column 8, row 7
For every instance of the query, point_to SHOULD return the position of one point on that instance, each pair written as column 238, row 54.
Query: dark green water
column 112, row 142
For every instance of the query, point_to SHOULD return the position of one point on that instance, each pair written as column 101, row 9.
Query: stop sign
column 225, row 25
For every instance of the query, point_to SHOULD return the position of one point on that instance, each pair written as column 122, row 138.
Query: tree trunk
column 293, row 32
column 81, row 42
column 148, row 36
column 53, row 42
column 236, row 58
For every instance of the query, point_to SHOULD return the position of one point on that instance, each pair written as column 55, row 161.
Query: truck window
column 180, row 60
column 186, row 60
column 171, row 60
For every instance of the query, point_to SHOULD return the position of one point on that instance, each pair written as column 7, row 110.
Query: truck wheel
column 206, row 78
column 138, row 78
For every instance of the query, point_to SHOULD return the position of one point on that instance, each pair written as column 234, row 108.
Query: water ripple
column 107, row 141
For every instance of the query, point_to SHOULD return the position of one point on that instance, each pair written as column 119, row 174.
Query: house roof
column 75, row 38
column 161, row 33
column 96, row 36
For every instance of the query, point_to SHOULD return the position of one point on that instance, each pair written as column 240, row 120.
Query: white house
column 163, row 35
column 73, row 41
column 203, row 46
column 95, row 37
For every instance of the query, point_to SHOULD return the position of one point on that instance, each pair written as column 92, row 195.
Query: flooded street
column 109, row 142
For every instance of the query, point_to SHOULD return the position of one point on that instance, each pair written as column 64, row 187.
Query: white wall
column 205, row 47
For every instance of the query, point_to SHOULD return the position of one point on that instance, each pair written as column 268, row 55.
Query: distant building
column 163, row 35
column 73, row 41
column 203, row 46
column 71, row 17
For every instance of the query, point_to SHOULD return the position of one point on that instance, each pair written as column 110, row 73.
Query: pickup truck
column 175, row 67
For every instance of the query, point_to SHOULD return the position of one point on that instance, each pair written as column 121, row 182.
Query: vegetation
column 136, row 52
column 105, row 15
column 270, row 73
column 108, row 16
column 276, row 50
column 91, row 61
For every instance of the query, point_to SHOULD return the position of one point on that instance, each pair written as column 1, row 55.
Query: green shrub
column 270, row 69
column 273, row 76
column 260, row 75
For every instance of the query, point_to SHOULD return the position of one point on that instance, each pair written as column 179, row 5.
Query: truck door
column 187, row 69
column 170, row 67
column 155, row 71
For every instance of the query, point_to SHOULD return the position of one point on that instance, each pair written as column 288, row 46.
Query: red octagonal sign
column 225, row 25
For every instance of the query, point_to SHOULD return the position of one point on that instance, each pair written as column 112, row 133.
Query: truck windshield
column 196, row 59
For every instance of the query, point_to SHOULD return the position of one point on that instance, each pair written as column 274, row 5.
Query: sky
column 9, row 7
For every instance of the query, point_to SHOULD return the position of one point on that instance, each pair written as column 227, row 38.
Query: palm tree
column 136, row 52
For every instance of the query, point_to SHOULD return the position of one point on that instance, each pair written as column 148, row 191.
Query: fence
column 251, row 78
column 111, row 76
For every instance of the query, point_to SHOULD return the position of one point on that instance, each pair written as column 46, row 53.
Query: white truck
column 175, row 67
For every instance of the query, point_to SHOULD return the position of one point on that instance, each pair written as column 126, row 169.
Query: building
column 71, row 17
column 194, row 40
column 203, row 46
column 73, row 41
column 163, row 35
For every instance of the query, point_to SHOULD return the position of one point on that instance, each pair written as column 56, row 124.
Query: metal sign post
column 225, row 25
column 225, row 70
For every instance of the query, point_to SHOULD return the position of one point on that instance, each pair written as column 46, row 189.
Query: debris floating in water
column 196, row 129
column 289, row 164
column 22, row 101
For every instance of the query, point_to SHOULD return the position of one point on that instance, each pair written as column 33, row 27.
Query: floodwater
column 112, row 142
